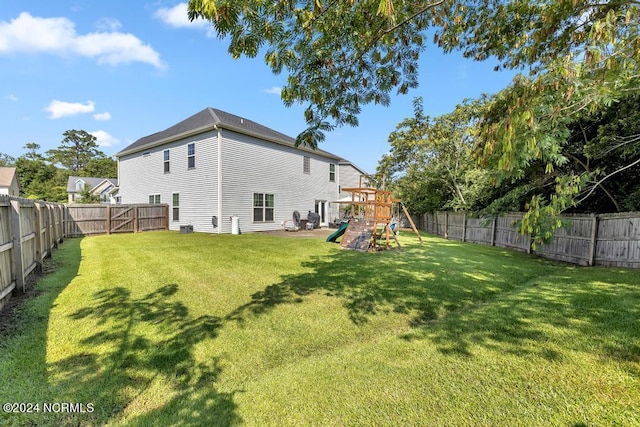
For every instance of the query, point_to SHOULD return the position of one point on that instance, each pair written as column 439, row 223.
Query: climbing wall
column 358, row 235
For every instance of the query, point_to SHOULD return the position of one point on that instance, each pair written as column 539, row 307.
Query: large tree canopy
column 340, row 55
column 430, row 164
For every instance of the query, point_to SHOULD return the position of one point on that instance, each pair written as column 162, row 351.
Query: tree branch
column 377, row 38
column 597, row 184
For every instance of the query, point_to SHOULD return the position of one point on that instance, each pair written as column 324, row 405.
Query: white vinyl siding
column 248, row 165
column 349, row 176
column 251, row 165
column 141, row 176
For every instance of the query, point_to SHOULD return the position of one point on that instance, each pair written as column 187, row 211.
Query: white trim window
column 191, row 156
column 166, row 161
column 154, row 199
column 263, row 207
column 332, row 172
column 175, row 207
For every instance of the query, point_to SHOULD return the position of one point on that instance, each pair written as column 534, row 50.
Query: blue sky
column 122, row 70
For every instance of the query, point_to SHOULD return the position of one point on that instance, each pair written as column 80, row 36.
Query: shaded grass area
column 160, row 329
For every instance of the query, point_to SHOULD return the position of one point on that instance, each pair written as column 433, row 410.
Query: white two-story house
column 214, row 166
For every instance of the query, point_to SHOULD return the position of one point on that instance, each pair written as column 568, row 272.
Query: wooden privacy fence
column 610, row 239
column 29, row 230
column 84, row 220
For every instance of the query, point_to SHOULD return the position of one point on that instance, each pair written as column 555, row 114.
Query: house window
column 166, row 161
column 154, row 198
column 263, row 205
column 146, row 154
column 306, row 164
column 332, row 172
column 191, row 156
column 176, row 206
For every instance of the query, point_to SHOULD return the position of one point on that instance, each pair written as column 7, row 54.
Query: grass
column 159, row 329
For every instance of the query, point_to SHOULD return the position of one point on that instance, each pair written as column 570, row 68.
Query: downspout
column 220, row 221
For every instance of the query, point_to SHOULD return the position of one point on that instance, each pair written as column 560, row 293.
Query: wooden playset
column 370, row 226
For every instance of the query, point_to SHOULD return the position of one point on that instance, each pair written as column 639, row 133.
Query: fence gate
column 122, row 219
column 84, row 220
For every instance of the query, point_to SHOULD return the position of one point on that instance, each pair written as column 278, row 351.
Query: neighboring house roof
column 212, row 118
column 7, row 175
column 93, row 182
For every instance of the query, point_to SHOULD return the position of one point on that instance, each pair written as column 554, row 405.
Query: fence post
column 446, row 225
column 108, row 219
column 464, row 227
column 54, row 226
column 38, row 229
column 166, row 217
column 135, row 218
column 594, row 240
column 47, row 230
column 65, row 212
column 493, row 231
column 17, row 244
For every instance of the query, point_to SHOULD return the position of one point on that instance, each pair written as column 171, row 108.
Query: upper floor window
column 166, row 161
column 306, row 164
column 191, row 156
column 332, row 172
column 154, row 198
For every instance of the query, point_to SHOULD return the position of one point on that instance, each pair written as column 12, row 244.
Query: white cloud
column 102, row 116
column 104, row 139
column 29, row 34
column 59, row 109
column 11, row 97
column 275, row 90
column 177, row 17
column 108, row 24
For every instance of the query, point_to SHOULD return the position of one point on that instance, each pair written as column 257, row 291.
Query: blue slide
column 339, row 232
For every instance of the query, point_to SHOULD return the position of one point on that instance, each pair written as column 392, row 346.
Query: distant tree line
column 44, row 176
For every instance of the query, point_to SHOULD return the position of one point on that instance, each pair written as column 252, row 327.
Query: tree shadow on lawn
column 148, row 339
column 426, row 282
column 502, row 300
column 588, row 310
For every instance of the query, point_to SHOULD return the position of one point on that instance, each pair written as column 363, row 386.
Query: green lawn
column 168, row 329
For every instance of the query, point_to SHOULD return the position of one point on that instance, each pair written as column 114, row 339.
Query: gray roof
column 209, row 119
column 90, row 180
